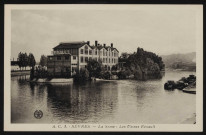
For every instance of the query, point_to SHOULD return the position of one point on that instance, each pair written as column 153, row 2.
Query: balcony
column 60, row 52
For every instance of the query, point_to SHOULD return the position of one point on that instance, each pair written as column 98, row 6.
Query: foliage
column 121, row 75
column 32, row 61
column 94, row 68
column 107, row 75
column 43, row 61
column 83, row 75
column 23, row 60
column 143, row 65
column 114, row 68
column 125, row 55
column 41, row 72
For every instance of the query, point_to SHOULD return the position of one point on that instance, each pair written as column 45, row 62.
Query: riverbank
column 190, row 120
column 19, row 73
column 54, row 80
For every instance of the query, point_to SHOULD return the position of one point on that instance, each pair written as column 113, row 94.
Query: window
column 74, row 57
column 109, row 60
column 90, row 58
column 86, row 51
column 58, row 58
column 86, row 59
column 90, row 52
column 82, row 51
column 112, row 60
column 66, row 57
column 82, row 59
column 95, row 52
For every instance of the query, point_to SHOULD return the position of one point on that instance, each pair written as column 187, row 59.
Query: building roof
column 68, row 45
column 78, row 44
column 115, row 49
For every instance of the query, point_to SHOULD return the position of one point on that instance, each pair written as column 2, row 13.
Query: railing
column 59, row 52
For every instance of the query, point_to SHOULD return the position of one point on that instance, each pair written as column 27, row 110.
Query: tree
column 125, row 55
column 20, row 60
column 144, row 64
column 32, row 60
column 114, row 68
column 43, row 61
column 94, row 67
column 25, row 60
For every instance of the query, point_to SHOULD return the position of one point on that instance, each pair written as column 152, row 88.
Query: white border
column 158, row 127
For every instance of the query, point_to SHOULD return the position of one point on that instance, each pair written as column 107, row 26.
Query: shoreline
column 20, row 73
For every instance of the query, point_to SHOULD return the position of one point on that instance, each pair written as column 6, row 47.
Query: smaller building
column 59, row 65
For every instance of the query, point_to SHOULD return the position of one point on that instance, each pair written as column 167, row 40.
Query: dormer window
column 96, row 52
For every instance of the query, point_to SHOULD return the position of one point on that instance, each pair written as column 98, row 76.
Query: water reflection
column 122, row 101
column 78, row 103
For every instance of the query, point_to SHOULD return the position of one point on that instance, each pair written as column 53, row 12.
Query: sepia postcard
column 103, row 67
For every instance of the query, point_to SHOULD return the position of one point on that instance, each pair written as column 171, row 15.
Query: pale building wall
column 105, row 55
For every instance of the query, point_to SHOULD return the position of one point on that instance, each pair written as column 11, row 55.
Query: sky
column 160, row 30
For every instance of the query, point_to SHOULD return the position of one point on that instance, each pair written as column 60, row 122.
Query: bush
column 83, row 75
column 121, row 75
column 107, row 75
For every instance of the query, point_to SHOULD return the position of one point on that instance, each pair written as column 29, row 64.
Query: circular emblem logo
column 38, row 114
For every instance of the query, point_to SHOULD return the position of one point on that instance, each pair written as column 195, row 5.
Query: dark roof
column 97, row 47
column 68, row 45
column 115, row 49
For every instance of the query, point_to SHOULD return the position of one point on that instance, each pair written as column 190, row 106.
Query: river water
column 109, row 102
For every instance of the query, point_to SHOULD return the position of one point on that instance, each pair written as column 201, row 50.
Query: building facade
column 73, row 56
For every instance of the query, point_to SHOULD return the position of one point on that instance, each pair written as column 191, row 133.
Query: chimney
column 96, row 42
column 104, row 45
column 88, row 42
column 111, row 45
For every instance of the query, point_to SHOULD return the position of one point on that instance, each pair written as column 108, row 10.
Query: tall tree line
column 43, row 61
column 25, row 60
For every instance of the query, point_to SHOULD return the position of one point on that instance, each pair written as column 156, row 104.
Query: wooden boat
column 191, row 88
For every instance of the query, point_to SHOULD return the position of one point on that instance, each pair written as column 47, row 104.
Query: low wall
column 54, row 80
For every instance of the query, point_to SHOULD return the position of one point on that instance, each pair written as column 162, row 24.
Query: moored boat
column 191, row 88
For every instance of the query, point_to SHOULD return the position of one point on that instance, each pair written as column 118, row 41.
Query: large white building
column 74, row 56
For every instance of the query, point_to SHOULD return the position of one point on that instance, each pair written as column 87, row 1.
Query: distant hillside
column 180, row 61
